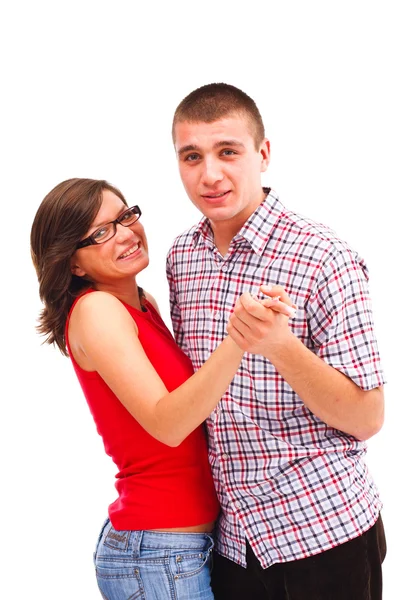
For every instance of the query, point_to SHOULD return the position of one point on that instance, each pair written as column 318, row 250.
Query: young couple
column 274, row 350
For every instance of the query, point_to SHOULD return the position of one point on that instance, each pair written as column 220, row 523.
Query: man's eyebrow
column 193, row 147
column 228, row 143
column 188, row 148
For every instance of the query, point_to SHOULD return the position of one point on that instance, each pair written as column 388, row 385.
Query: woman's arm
column 103, row 338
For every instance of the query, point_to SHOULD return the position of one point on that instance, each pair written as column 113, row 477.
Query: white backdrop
column 89, row 90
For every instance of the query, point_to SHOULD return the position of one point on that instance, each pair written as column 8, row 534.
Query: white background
column 89, row 90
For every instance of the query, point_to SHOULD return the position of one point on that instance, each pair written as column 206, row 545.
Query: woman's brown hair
column 62, row 220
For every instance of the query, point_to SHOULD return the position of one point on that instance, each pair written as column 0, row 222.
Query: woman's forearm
column 178, row 413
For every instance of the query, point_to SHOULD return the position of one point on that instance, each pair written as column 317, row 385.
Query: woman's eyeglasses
column 108, row 230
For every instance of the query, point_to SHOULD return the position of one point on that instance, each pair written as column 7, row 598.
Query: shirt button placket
column 212, row 325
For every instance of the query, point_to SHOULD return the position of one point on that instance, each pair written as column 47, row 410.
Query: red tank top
column 158, row 486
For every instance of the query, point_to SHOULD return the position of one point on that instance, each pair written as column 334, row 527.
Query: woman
column 87, row 247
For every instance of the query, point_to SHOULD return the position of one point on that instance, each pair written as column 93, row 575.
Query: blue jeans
column 149, row 565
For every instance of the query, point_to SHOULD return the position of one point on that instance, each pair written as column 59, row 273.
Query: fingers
column 256, row 308
column 237, row 337
column 254, row 324
column 277, row 290
column 245, row 333
column 278, row 306
column 278, row 293
column 248, row 308
column 250, row 316
column 235, row 323
column 252, row 307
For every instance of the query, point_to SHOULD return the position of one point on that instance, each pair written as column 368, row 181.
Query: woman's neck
column 126, row 290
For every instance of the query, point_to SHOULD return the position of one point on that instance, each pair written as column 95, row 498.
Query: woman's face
column 122, row 256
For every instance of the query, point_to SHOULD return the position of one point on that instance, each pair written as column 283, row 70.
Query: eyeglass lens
column 108, row 231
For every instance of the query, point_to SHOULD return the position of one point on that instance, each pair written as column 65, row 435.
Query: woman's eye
column 100, row 233
column 127, row 216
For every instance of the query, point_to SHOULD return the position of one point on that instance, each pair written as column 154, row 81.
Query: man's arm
column 330, row 395
column 340, row 380
column 327, row 393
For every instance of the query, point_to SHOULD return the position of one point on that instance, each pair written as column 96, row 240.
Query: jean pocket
column 106, row 522
column 119, row 580
column 191, row 563
column 114, row 569
column 188, row 565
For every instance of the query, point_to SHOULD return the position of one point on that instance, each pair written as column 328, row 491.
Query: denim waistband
column 132, row 541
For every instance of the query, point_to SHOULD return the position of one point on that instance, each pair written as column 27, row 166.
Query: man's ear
column 265, row 155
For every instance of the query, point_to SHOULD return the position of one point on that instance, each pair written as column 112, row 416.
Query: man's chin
column 218, row 215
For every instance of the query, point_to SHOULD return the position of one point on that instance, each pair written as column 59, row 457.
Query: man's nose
column 212, row 172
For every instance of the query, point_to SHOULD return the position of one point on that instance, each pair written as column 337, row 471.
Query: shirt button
column 225, row 456
column 237, row 504
column 217, row 316
column 224, row 268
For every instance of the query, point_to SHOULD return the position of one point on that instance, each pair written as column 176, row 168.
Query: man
column 300, row 514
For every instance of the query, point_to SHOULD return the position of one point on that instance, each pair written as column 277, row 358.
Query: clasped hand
column 261, row 326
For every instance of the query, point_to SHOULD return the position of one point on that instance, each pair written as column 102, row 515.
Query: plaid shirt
column 286, row 481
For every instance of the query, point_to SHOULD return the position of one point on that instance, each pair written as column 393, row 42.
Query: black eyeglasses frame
column 90, row 241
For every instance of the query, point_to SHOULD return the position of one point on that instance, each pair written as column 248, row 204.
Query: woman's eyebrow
column 97, row 225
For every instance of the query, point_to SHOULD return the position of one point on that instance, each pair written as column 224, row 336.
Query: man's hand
column 261, row 326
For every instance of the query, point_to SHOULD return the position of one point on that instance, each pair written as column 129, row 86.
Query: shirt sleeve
column 340, row 320
column 174, row 306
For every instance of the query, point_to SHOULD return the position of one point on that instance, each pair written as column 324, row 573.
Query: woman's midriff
column 205, row 528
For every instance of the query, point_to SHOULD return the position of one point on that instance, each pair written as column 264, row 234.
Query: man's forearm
column 329, row 394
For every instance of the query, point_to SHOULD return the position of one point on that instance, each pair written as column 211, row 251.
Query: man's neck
column 222, row 243
column 225, row 231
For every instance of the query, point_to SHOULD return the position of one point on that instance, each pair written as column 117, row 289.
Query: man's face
column 220, row 167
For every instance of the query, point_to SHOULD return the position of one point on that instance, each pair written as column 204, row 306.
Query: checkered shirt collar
column 255, row 231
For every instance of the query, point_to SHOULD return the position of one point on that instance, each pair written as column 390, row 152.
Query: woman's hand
column 278, row 300
column 261, row 326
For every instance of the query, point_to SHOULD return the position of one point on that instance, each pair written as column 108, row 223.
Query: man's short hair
column 215, row 101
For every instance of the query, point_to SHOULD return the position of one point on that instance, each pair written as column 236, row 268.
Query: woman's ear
column 76, row 269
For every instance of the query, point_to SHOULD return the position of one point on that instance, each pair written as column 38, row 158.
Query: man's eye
column 228, row 152
column 192, row 157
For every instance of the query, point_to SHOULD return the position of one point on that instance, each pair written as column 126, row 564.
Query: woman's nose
column 123, row 233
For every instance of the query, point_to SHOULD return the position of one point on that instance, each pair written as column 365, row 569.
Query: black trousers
column 351, row 571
